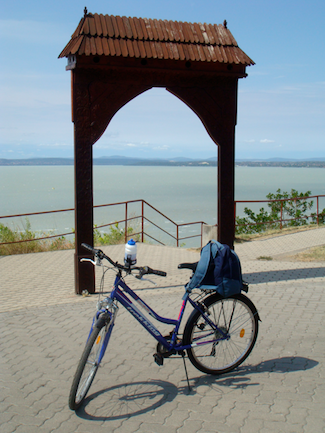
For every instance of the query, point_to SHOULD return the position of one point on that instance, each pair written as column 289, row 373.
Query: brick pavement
column 280, row 387
column 281, row 246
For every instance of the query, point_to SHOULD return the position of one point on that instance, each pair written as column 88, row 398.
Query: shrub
column 115, row 235
column 33, row 246
column 293, row 211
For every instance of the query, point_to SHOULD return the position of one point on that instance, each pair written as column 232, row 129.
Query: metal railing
column 146, row 221
column 143, row 218
column 126, row 221
column 282, row 220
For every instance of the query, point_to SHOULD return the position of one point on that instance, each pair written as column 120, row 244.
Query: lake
column 184, row 194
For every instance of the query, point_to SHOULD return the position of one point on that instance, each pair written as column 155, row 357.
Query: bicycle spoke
column 233, row 317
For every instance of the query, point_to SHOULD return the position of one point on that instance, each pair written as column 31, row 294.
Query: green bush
column 293, row 210
column 115, row 235
column 33, row 246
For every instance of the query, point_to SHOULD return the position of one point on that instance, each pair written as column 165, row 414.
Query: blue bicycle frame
column 171, row 344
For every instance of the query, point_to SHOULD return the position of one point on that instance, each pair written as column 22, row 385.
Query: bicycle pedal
column 159, row 359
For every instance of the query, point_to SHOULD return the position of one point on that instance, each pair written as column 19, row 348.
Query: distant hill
column 178, row 161
column 279, row 162
column 112, row 160
column 37, row 161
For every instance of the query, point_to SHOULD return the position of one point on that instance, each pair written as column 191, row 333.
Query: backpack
column 218, row 269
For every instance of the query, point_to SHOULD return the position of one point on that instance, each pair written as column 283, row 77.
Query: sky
column 281, row 104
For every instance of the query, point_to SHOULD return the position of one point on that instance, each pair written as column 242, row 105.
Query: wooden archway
column 199, row 64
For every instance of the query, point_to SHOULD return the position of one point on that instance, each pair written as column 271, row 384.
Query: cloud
column 163, row 147
column 266, row 140
column 57, row 144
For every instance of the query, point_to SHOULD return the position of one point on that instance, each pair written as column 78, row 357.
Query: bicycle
column 218, row 336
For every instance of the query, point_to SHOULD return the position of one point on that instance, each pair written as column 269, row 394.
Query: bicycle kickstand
column 188, row 382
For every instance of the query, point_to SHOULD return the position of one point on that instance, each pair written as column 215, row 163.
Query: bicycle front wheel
column 88, row 365
column 235, row 317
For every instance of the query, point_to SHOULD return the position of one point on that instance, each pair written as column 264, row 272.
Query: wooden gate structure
column 112, row 60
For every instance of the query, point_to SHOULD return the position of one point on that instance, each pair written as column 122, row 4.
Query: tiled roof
column 107, row 35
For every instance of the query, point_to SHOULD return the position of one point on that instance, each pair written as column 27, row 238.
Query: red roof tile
column 108, row 35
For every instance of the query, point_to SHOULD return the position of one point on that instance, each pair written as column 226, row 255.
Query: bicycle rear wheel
column 236, row 317
column 88, row 364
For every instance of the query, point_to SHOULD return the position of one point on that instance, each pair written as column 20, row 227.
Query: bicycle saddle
column 191, row 266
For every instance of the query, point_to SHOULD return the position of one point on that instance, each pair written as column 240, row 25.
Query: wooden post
column 226, row 191
column 83, row 173
column 142, row 220
column 126, row 223
column 84, row 272
column 235, row 213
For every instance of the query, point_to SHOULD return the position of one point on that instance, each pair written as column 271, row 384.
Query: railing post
column 142, row 220
column 126, row 222
column 235, row 211
column 281, row 215
column 317, row 211
column 177, row 235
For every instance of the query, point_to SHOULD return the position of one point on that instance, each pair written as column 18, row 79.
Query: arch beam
column 97, row 94
column 216, row 106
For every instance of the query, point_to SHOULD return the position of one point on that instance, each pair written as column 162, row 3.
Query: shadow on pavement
column 237, row 378
column 130, row 399
column 126, row 400
column 284, row 275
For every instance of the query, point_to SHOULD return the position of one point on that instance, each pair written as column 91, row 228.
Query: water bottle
column 130, row 257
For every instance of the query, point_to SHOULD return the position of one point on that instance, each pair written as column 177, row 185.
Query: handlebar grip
column 154, row 272
column 88, row 248
column 146, row 270
column 99, row 253
column 161, row 273
column 96, row 252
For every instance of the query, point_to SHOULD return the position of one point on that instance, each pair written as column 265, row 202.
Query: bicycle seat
column 191, row 266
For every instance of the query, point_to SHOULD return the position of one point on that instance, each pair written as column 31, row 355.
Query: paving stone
column 7, row 427
column 280, row 388
column 278, row 427
column 217, row 426
column 314, row 424
column 156, row 428
column 191, row 426
column 26, row 420
column 252, row 425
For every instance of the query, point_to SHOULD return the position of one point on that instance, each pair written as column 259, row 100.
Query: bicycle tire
column 237, row 313
column 84, row 376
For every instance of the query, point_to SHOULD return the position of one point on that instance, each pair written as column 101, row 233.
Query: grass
column 315, row 254
column 17, row 235
column 114, row 236
column 273, row 232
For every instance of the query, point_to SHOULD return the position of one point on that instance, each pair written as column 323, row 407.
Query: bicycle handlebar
column 142, row 270
column 146, row 270
column 89, row 248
